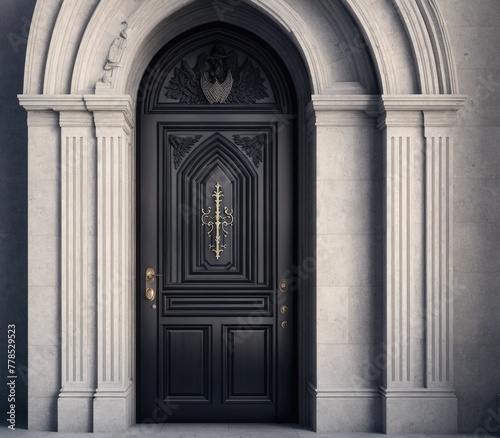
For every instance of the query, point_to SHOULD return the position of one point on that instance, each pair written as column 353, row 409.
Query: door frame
column 288, row 96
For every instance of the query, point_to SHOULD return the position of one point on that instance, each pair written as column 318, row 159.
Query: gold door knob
column 150, row 275
column 283, row 286
column 284, row 324
column 150, row 294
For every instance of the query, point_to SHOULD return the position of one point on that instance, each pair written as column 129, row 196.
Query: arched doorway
column 81, row 131
column 217, row 150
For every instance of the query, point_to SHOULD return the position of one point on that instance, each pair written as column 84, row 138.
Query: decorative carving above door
column 218, row 71
column 217, row 77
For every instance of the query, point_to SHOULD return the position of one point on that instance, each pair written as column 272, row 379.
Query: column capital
column 344, row 102
column 58, row 102
column 418, row 110
column 75, row 119
column 341, row 110
column 439, row 123
column 111, row 110
column 42, row 118
column 399, row 119
column 421, row 102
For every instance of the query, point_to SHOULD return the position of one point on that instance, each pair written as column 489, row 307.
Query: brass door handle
column 150, row 275
column 150, row 279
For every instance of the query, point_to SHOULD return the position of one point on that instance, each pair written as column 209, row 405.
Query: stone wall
column 474, row 28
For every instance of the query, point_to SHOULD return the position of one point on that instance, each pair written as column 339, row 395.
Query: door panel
column 248, row 367
column 246, row 191
column 216, row 218
column 186, row 366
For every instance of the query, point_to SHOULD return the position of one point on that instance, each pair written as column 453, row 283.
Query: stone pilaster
column 347, row 161
column 113, row 403
column 44, row 289
column 401, row 131
column 78, row 273
column 418, row 392
column 439, row 250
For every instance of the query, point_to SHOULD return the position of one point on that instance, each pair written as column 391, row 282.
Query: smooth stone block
column 348, row 414
column 43, row 260
column 349, row 260
column 477, row 401
column 44, row 153
column 365, row 315
column 349, row 153
column 112, row 414
column 419, row 413
column 74, row 414
column 349, row 207
column 468, row 12
column 476, row 305
column 471, row 55
column 44, row 218
column 476, row 247
column 42, row 413
column 44, row 370
column 346, row 366
column 44, row 316
column 476, row 153
column 332, row 315
column 477, row 200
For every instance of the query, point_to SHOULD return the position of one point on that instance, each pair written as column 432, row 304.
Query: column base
column 113, row 410
column 356, row 410
column 419, row 411
column 74, row 411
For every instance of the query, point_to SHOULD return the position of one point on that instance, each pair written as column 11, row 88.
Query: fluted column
column 401, row 131
column 77, row 272
column 417, row 393
column 113, row 405
column 438, row 255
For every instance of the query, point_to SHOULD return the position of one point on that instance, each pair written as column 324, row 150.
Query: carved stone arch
column 155, row 22
column 340, row 108
column 431, row 46
column 93, row 25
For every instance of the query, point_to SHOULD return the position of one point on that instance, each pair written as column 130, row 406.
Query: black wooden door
column 217, row 327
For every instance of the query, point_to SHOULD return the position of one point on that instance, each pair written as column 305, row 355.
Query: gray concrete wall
column 15, row 19
column 474, row 27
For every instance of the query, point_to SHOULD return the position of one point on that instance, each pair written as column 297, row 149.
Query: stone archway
column 406, row 103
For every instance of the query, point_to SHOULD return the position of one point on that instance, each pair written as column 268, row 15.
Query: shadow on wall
column 15, row 21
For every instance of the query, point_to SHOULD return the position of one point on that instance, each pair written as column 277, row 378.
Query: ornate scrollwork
column 181, row 146
column 218, row 222
column 217, row 77
column 252, row 146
